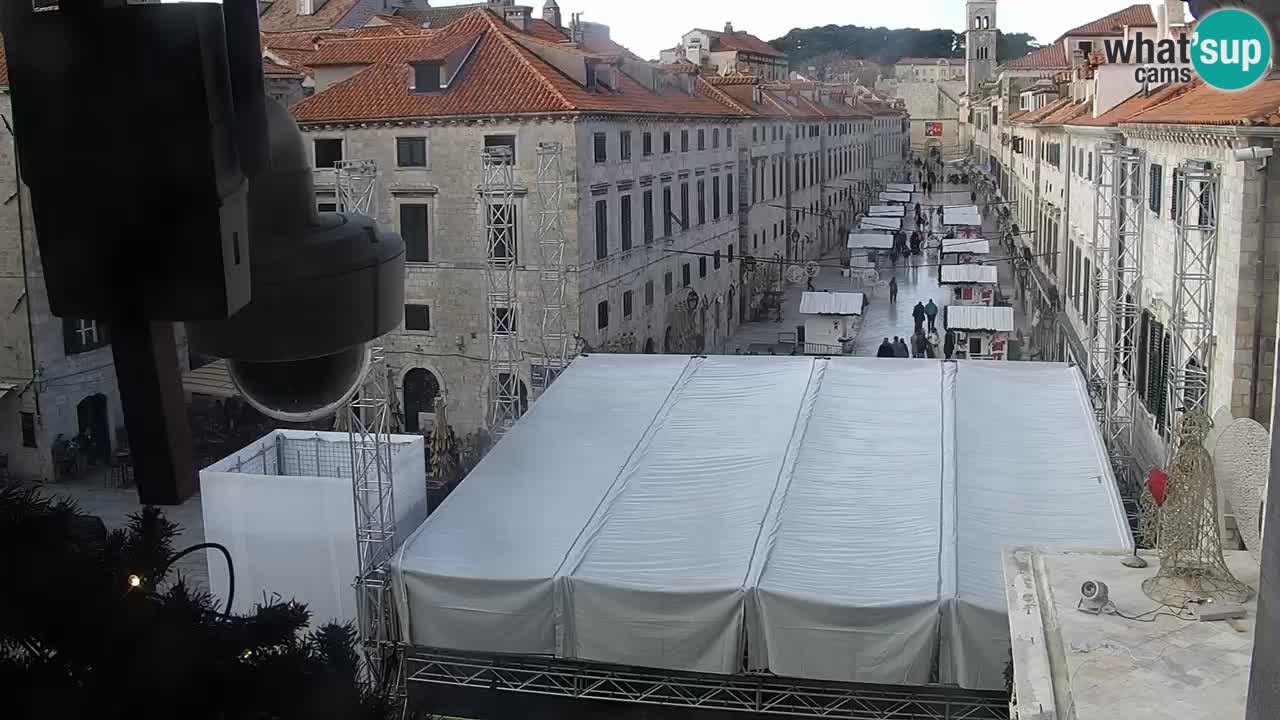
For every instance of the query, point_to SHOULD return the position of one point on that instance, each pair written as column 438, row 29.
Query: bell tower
column 981, row 39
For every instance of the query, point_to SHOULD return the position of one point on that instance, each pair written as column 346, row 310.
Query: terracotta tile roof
column 501, row 77
column 1035, row 116
column 4, row 68
column 272, row 69
column 398, row 49
column 1132, row 106
column 745, row 42
column 1133, row 16
column 1017, row 116
column 1049, row 57
column 1067, row 112
column 403, row 23
column 1203, row 105
column 282, row 16
column 438, row 18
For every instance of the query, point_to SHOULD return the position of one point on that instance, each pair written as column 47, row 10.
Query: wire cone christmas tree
column 1191, row 563
column 443, row 467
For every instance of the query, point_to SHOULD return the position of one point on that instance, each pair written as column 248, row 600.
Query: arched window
column 420, row 390
column 666, row 341
column 732, row 294
column 649, row 348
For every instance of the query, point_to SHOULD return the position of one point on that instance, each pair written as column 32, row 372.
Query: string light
column 135, row 581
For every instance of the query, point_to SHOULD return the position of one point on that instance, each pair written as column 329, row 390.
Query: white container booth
column 865, row 252
column 964, row 250
column 970, row 283
column 980, row 332
column 832, row 321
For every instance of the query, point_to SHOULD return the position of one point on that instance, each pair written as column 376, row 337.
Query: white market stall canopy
column 881, row 223
column 969, row 273
column 900, row 187
column 978, row 317
column 887, row 210
column 892, row 197
column 842, row 518
column 870, row 241
column 966, row 246
column 964, row 216
column 831, row 303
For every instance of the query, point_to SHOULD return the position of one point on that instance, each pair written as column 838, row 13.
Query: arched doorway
column 732, row 293
column 95, row 427
column 420, row 390
column 666, row 340
column 649, row 347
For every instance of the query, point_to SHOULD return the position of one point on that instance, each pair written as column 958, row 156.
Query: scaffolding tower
column 553, row 279
column 369, row 418
column 354, row 182
column 497, row 196
column 1196, row 187
column 1114, row 343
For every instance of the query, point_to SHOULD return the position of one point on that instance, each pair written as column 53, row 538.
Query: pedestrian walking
column 893, row 291
column 809, row 285
column 918, row 314
column 973, row 197
column 900, row 348
column 931, row 312
column 949, row 345
column 886, row 349
column 918, row 345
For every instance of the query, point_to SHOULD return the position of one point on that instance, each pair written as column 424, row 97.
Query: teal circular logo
column 1231, row 49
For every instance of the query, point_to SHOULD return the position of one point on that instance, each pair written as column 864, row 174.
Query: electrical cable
column 136, row 581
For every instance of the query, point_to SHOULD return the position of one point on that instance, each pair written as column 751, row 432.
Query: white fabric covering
column 965, row 216
column 881, row 223
column 845, row 516
column 887, row 210
column 895, row 197
column 900, row 187
column 831, row 303
column 870, row 241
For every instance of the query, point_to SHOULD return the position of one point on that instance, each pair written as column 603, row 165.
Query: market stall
column 964, row 250
column 865, row 251
column 887, row 211
column 970, row 283
column 895, row 197
column 832, row 321
column 979, row 332
column 873, row 223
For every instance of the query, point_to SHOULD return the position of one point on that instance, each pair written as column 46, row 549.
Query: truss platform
column 761, row 694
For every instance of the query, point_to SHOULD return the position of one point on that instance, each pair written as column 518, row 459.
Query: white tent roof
column 841, row 517
column 966, row 246
column 890, row 197
column 831, row 303
column 965, row 216
column 969, row 273
column 887, row 210
column 979, row 317
column 881, row 223
column 900, row 187
column 870, row 241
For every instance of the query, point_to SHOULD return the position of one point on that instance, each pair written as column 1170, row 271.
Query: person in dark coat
column 919, row 345
column 917, row 314
column 886, row 349
column 931, row 312
column 893, row 291
column 949, row 345
column 900, row 348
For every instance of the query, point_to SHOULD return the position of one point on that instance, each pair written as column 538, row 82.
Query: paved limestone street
column 917, row 281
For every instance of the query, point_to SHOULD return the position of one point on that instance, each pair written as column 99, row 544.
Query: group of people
column 922, row 346
column 929, row 172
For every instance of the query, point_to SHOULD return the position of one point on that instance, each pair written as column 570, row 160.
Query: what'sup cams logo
column 1230, row 50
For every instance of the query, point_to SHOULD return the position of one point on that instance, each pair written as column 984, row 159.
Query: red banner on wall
column 933, row 129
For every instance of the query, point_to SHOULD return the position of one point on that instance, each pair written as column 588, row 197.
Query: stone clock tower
column 981, row 38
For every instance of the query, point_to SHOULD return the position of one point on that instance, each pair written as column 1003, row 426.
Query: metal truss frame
column 355, row 181
column 1196, row 187
column 497, row 196
column 369, row 414
column 553, row 279
column 1114, row 343
column 759, row 694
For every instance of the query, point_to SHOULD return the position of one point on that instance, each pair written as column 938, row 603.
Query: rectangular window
column 684, row 141
column 503, row 234
column 667, row 285
column 730, row 252
column 702, row 202
column 715, row 260
column 411, row 152
column 602, row 315
column 626, row 304
column 1155, row 192
column 327, row 207
column 414, row 230
column 602, row 229
column 702, row 139
column 600, row 142
column 686, row 275
column 1175, row 194
column 702, row 267
column 715, row 197
column 626, row 223
column 729, row 207
column 715, row 138
column 328, row 152
column 502, row 142
column 684, row 206
column 646, row 144
column 666, row 142
column 28, row 429
column 647, row 216
column 648, row 294
column 417, row 318
column 624, row 145
column 728, row 137
column 666, row 211
column 82, row 336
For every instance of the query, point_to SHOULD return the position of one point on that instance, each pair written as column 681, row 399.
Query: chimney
column 728, row 27
column 575, row 30
column 518, row 16
column 310, row 7
column 551, row 13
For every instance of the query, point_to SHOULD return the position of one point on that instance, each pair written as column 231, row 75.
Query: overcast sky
column 647, row 26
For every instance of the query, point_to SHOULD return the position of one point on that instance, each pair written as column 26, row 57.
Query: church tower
column 980, row 38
